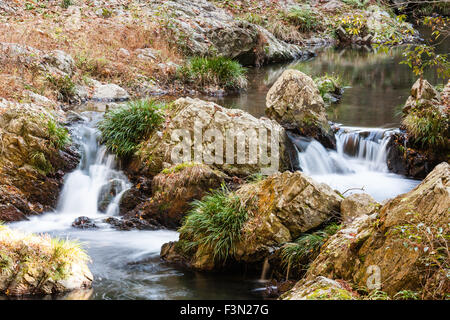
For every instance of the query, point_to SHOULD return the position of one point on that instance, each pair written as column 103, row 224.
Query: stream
column 126, row 264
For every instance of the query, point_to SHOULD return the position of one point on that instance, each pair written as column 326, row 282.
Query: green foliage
column 66, row 3
column 304, row 18
column 255, row 18
column 125, row 127
column 428, row 127
column 307, row 246
column 354, row 24
column 214, row 225
column 64, row 85
column 406, row 295
column 217, row 71
column 59, row 136
column 378, row 295
column 329, row 84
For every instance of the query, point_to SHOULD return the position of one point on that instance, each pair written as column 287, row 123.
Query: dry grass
column 23, row 255
column 95, row 45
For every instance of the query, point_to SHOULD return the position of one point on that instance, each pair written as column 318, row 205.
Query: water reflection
column 378, row 85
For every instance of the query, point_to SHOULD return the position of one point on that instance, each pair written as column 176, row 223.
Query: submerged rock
column 84, row 223
column 393, row 251
column 127, row 224
column 295, row 102
column 190, row 133
column 174, row 189
column 39, row 265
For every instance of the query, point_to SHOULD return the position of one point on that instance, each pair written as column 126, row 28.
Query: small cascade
column 358, row 163
column 367, row 145
column 96, row 180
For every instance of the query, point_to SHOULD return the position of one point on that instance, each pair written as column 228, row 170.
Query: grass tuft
column 125, row 127
column 214, row 225
column 217, row 71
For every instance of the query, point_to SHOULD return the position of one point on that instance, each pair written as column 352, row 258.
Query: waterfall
column 359, row 162
column 96, row 181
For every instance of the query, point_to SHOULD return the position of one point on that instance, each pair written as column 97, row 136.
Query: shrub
column 428, row 127
column 304, row 18
column 214, row 225
column 123, row 128
column 64, row 85
column 217, row 71
column 59, row 136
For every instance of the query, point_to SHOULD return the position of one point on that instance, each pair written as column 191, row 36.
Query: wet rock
column 137, row 194
column 174, row 189
column 28, row 266
column 396, row 244
column 84, row 223
column 127, row 224
column 295, row 102
column 187, row 114
column 320, row 288
column 356, row 205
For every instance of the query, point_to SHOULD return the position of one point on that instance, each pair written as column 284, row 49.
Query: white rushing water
column 95, row 180
column 358, row 163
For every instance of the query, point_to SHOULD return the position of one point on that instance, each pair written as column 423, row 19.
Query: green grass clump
column 59, row 136
column 306, row 247
column 66, row 4
column 428, row 128
column 125, row 127
column 214, row 225
column 304, row 18
column 217, row 71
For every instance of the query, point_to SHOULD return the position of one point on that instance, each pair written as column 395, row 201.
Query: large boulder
column 37, row 265
column 280, row 208
column 423, row 141
column 401, row 248
column 174, row 189
column 210, row 30
column 295, row 102
column 230, row 140
column 30, row 160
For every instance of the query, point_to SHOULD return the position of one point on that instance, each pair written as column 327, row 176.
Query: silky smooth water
column 126, row 264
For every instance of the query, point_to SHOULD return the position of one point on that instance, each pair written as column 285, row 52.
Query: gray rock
column 109, row 92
